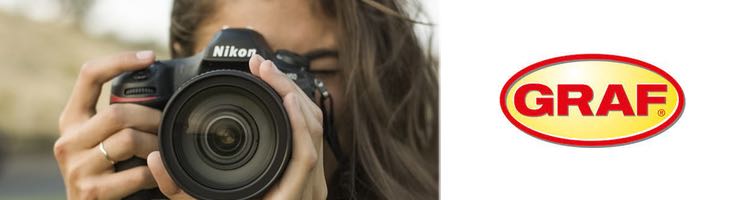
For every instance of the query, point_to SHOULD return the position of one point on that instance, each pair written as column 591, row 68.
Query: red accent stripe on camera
column 116, row 99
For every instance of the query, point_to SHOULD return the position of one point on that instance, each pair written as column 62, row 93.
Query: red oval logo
column 592, row 100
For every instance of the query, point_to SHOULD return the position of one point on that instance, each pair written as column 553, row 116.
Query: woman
column 383, row 81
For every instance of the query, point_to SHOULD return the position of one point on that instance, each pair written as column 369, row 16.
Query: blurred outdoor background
column 42, row 46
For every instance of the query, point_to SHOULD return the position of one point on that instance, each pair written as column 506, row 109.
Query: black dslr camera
column 224, row 133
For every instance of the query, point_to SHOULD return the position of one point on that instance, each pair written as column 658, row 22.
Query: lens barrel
column 225, row 135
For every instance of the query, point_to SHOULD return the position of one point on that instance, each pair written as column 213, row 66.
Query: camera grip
column 140, row 88
column 148, row 87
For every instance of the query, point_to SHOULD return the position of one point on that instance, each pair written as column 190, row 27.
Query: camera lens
column 225, row 135
column 227, row 139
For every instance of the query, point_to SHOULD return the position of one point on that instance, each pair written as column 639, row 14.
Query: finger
column 315, row 185
column 165, row 183
column 304, row 157
column 301, row 134
column 116, row 185
column 254, row 64
column 130, row 142
column 321, row 187
column 314, row 110
column 121, row 146
column 115, row 118
column 314, row 119
column 278, row 80
column 93, row 74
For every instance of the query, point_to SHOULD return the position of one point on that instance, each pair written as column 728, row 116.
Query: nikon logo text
column 232, row 52
column 592, row 100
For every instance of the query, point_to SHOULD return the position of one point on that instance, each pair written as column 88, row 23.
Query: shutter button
column 141, row 75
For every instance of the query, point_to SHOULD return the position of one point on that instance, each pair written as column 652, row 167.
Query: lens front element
column 227, row 140
column 224, row 137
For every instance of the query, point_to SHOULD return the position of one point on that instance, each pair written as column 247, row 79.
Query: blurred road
column 30, row 177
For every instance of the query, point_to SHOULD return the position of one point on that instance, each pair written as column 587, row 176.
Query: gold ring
column 106, row 155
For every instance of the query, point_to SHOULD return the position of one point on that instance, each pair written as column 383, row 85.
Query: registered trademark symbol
column 661, row 112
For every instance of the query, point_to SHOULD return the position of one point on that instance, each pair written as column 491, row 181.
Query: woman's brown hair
column 391, row 90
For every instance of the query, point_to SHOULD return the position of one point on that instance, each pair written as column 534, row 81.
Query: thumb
column 165, row 182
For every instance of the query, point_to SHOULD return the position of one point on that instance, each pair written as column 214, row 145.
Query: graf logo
column 592, row 100
column 232, row 52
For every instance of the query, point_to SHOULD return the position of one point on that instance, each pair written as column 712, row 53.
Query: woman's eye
column 324, row 69
column 324, row 72
column 324, row 65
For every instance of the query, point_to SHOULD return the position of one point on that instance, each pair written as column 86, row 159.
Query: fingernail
column 275, row 68
column 258, row 58
column 145, row 55
column 252, row 59
column 268, row 62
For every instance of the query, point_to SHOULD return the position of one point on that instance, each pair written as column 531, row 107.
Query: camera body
column 230, row 49
column 224, row 132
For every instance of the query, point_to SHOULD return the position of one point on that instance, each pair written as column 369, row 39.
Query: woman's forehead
column 298, row 27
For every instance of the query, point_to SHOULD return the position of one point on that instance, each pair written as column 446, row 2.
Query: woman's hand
column 304, row 177
column 125, row 130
